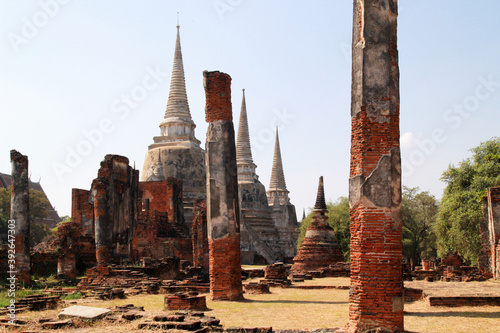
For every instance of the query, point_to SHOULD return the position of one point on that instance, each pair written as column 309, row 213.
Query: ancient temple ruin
column 176, row 152
column 259, row 236
column 268, row 229
column 320, row 247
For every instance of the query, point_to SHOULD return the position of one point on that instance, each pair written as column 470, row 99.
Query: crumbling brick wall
column 163, row 196
column 82, row 210
column 116, row 193
column 200, row 238
column 161, row 230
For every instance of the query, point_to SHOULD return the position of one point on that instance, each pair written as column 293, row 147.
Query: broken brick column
column 19, row 212
column 66, row 265
column 223, row 212
column 376, row 294
column 101, row 225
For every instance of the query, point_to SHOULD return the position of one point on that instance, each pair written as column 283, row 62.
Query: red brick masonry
column 225, row 269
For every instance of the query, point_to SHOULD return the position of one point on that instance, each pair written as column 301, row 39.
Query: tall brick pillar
column 101, row 225
column 376, row 294
column 19, row 212
column 223, row 212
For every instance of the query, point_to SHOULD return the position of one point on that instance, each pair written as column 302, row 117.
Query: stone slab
column 85, row 312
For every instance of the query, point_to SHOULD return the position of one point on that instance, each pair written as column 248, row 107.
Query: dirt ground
column 292, row 308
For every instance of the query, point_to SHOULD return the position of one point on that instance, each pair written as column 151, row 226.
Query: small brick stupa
column 320, row 247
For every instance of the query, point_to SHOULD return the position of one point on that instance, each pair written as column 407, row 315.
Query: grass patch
column 72, row 296
column 20, row 294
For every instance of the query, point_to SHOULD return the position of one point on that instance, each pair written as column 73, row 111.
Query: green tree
column 338, row 219
column 419, row 210
column 39, row 208
column 457, row 225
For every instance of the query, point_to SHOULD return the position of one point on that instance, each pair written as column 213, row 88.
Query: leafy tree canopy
column 419, row 210
column 457, row 225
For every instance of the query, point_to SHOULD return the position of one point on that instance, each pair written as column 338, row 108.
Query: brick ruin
column 320, row 247
column 376, row 294
column 200, row 237
column 115, row 194
column 121, row 220
column 223, row 212
column 162, row 231
column 19, row 213
column 489, row 259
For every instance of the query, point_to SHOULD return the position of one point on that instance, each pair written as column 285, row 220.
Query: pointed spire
column 177, row 105
column 243, row 150
column 320, row 206
column 277, row 176
column 177, row 126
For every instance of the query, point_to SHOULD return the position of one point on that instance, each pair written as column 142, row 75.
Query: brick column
column 376, row 295
column 200, row 239
column 101, row 225
column 19, row 212
column 223, row 212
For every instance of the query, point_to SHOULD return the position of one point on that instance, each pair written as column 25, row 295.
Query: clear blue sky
column 66, row 68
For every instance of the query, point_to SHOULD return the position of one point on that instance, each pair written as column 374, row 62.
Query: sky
column 82, row 79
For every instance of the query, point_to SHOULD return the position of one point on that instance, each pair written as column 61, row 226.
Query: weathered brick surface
column 161, row 231
column 225, row 269
column 376, row 295
column 257, row 288
column 163, row 196
column 463, row 301
column 413, row 294
column 218, row 96
column 200, row 237
column 82, row 210
column 185, row 301
column 116, row 195
column 19, row 213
